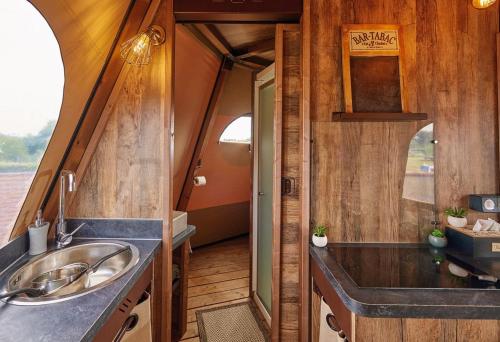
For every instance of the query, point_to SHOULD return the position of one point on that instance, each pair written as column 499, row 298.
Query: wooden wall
column 450, row 74
column 291, row 92
column 432, row 330
column 125, row 173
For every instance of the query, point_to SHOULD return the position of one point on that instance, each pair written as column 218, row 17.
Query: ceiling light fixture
column 481, row 4
column 137, row 50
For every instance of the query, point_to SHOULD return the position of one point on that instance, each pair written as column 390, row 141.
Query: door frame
column 261, row 79
column 304, row 133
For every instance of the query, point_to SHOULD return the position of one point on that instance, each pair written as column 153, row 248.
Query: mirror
column 418, row 199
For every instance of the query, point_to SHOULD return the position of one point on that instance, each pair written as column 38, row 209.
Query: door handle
column 260, row 193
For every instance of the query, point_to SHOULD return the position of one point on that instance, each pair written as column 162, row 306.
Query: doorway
column 216, row 66
column 263, row 189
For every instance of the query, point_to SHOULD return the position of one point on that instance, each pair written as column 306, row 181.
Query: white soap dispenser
column 38, row 235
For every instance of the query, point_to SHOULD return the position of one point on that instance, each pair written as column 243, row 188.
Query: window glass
column 31, row 88
column 419, row 179
column 239, row 131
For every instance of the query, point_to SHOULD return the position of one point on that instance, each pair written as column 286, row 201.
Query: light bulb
column 482, row 3
column 137, row 50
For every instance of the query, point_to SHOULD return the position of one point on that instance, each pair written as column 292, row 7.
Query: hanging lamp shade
column 137, row 50
column 482, row 3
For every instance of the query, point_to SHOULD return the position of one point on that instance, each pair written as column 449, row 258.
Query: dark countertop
column 398, row 297
column 79, row 319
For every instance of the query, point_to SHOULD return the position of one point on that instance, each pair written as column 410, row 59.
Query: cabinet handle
column 128, row 325
column 332, row 322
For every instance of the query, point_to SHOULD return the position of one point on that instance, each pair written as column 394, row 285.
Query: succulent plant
column 319, row 231
column 456, row 212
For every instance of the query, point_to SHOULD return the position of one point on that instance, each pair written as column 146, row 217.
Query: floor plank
column 218, row 276
column 192, row 330
column 213, row 298
column 218, row 287
column 192, row 339
column 191, row 313
column 216, row 270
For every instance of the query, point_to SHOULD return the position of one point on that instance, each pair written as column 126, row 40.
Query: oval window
column 31, row 88
column 238, row 131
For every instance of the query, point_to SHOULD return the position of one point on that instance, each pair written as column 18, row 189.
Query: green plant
column 319, row 231
column 438, row 259
column 437, row 233
column 456, row 212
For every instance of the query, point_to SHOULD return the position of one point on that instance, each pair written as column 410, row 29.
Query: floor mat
column 232, row 323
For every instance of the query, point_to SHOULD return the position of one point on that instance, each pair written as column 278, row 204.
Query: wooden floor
column 218, row 276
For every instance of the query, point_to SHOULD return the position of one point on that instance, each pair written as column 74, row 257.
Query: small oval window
column 31, row 88
column 238, row 131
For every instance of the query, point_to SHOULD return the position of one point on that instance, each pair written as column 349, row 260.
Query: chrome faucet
column 62, row 237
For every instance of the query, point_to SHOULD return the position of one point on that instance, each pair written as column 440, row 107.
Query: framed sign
column 373, row 68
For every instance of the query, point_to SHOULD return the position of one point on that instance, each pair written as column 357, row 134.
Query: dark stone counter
column 399, row 280
column 79, row 319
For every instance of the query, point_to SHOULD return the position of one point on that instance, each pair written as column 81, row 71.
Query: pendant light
column 481, row 4
column 137, row 50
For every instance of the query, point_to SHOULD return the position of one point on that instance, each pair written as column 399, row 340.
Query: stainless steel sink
column 109, row 271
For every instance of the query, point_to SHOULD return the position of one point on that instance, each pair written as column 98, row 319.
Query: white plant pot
column 457, row 222
column 320, row 241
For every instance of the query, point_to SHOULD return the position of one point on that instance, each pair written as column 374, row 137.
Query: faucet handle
column 65, row 239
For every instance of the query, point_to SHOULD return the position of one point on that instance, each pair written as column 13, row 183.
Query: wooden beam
column 277, row 174
column 498, row 94
column 254, row 48
column 195, row 31
column 261, row 62
column 237, row 11
column 215, row 38
column 206, row 128
column 305, row 318
column 211, row 37
column 220, row 37
column 166, row 13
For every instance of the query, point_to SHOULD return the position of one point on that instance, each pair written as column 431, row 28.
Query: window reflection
column 419, row 178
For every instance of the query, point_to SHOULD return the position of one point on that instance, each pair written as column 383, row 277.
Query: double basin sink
column 89, row 253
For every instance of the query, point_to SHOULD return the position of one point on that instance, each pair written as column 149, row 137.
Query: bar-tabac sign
column 383, row 41
column 370, row 40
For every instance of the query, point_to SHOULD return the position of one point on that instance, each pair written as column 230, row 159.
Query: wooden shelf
column 377, row 117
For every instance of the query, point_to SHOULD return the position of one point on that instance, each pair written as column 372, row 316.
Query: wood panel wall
column 432, row 330
column 125, row 173
column 450, row 74
column 291, row 91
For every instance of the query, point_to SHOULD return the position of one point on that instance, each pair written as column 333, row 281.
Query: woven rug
column 232, row 323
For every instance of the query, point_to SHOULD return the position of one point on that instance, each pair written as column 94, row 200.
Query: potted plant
column 456, row 217
column 437, row 238
column 319, row 238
